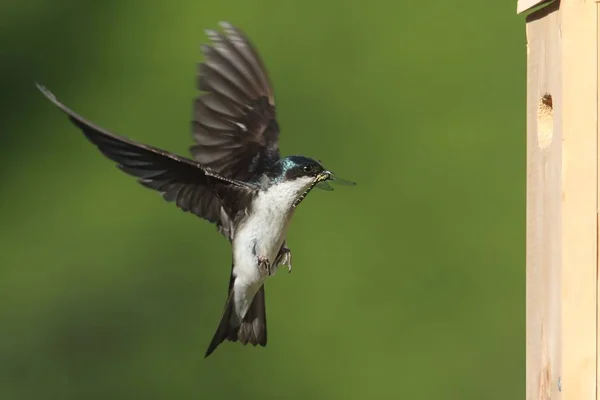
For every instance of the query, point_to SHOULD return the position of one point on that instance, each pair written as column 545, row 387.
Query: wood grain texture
column 544, row 182
column 562, row 202
column 580, row 198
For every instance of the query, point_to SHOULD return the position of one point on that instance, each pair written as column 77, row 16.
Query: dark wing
column 234, row 124
column 191, row 186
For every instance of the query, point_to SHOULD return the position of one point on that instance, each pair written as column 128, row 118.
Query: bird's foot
column 264, row 264
column 285, row 258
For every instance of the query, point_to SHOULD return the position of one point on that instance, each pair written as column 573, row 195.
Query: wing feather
column 235, row 127
column 190, row 185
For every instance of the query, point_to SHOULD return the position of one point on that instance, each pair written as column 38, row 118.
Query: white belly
column 261, row 234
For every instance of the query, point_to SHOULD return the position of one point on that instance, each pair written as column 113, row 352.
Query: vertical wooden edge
column 533, row 279
column 579, row 110
column 598, row 199
column 563, row 192
column 543, row 275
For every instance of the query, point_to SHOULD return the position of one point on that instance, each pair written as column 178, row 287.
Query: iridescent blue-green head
column 304, row 174
column 293, row 167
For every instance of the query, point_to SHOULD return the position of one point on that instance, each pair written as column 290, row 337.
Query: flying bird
column 235, row 179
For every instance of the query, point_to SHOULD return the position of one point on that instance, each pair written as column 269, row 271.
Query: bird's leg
column 263, row 262
column 284, row 257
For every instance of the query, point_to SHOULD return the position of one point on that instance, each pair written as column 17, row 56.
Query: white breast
column 262, row 233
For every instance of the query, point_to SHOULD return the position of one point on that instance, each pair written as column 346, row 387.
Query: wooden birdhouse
column 562, row 198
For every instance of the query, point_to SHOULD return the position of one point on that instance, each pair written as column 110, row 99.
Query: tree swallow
column 236, row 178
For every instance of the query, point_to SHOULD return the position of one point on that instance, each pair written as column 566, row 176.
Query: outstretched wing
column 191, row 186
column 234, row 124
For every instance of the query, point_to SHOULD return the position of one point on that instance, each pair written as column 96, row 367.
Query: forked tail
column 252, row 329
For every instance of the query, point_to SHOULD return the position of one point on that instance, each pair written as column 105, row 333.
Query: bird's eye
column 307, row 168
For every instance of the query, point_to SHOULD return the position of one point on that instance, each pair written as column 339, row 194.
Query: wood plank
column 544, row 160
column 598, row 205
column 524, row 5
column 579, row 198
column 562, row 201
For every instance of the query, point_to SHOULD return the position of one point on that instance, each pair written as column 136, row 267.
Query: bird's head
column 301, row 174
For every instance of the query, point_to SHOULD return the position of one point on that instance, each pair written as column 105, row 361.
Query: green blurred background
column 410, row 285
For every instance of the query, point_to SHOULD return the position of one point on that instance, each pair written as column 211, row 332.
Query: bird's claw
column 263, row 262
column 285, row 258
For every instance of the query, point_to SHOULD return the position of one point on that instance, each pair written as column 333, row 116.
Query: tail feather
column 252, row 329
